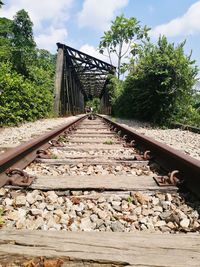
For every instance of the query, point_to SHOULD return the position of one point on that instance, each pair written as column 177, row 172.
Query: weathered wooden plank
column 93, row 131
column 101, row 133
column 93, row 161
column 82, row 135
column 127, row 249
column 98, row 182
column 86, row 127
column 100, row 157
column 87, row 147
column 95, row 141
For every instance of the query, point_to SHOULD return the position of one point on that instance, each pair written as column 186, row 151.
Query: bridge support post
column 58, row 80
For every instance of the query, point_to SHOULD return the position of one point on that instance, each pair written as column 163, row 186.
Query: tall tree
column 159, row 86
column 5, row 39
column 1, row 3
column 23, row 42
column 123, row 34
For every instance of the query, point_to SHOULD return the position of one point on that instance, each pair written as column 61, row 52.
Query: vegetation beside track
column 159, row 84
column 26, row 73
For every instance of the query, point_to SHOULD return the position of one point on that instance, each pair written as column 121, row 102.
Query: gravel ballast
column 18, row 134
column 183, row 140
column 69, row 211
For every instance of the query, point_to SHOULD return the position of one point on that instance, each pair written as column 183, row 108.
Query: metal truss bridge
column 80, row 77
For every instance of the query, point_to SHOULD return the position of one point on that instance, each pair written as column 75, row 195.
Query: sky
column 81, row 23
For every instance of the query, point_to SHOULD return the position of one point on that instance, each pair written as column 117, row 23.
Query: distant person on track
column 87, row 110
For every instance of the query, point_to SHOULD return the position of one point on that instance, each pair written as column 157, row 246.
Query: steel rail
column 22, row 155
column 167, row 157
column 186, row 127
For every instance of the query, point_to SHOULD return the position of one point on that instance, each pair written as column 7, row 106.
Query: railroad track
column 94, row 193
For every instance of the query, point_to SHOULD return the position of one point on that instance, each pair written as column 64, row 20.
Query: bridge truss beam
column 79, row 77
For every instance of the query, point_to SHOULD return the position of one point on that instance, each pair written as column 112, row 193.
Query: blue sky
column 81, row 23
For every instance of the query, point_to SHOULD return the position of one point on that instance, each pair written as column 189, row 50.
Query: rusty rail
column 22, row 155
column 167, row 157
column 186, row 127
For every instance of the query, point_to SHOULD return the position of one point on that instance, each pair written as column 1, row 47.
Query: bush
column 21, row 99
column 159, row 87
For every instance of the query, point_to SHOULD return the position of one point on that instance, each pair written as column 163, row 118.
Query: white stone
column 101, row 200
column 20, row 200
column 58, row 212
column 8, row 202
column 171, row 225
column 143, row 220
column 165, row 204
column 74, row 227
column 93, row 217
column 160, row 223
column 138, row 210
column 181, row 215
column 86, row 224
column 38, row 223
column 2, row 192
column 64, row 219
column 155, row 201
column 52, row 197
column 185, row 223
column 41, row 206
column 30, row 198
column 168, row 197
column 36, row 212
column 158, row 208
column 79, row 207
column 51, row 223
column 17, row 215
column 102, row 214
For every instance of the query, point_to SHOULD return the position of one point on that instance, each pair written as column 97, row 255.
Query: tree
column 123, row 31
column 6, row 36
column 1, row 3
column 26, row 73
column 159, row 87
column 23, row 42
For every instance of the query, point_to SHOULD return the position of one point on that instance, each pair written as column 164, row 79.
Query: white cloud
column 97, row 14
column 42, row 13
column 188, row 24
column 49, row 39
column 92, row 51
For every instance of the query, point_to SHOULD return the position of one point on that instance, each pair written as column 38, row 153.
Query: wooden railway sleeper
column 18, row 177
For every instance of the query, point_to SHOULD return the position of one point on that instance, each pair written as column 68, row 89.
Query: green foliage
column 1, row 219
column 26, row 73
column 159, row 87
column 6, row 35
column 115, row 88
column 23, row 42
column 130, row 199
column 108, row 142
column 94, row 103
column 123, row 34
column 21, row 99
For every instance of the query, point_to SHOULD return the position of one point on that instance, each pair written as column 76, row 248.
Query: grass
column 54, row 156
column 1, row 219
column 62, row 138
column 109, row 142
column 130, row 199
